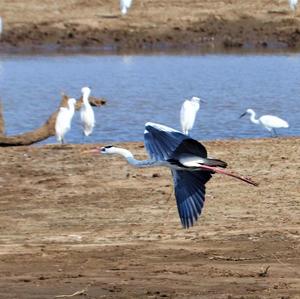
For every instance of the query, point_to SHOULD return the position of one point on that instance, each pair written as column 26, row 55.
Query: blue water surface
column 141, row 88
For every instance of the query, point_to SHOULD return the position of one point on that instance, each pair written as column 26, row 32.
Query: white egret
column 293, row 4
column 269, row 122
column 124, row 6
column 86, row 112
column 63, row 120
column 188, row 114
column 188, row 161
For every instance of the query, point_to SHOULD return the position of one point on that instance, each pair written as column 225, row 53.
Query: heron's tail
column 215, row 162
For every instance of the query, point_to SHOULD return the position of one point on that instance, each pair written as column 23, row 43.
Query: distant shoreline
column 192, row 50
column 94, row 51
column 197, row 25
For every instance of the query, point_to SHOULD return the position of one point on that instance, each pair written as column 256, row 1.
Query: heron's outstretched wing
column 163, row 143
column 191, row 147
column 190, row 194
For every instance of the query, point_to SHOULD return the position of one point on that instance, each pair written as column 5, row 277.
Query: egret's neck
column 252, row 117
column 131, row 160
column 71, row 108
column 85, row 98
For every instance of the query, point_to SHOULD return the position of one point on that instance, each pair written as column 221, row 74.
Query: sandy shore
column 72, row 222
column 153, row 24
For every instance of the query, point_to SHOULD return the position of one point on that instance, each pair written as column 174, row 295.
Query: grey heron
column 86, row 112
column 63, row 120
column 269, row 122
column 190, row 166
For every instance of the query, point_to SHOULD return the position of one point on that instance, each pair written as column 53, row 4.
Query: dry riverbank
column 154, row 24
column 72, row 222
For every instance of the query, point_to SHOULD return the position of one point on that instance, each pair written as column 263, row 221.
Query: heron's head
column 109, row 149
column 85, row 90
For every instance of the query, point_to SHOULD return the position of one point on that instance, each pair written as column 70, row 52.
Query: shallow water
column 141, row 88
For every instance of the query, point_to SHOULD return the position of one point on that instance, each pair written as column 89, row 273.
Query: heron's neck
column 131, row 160
column 252, row 117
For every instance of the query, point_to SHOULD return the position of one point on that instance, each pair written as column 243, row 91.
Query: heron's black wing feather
column 163, row 143
column 190, row 194
column 190, row 146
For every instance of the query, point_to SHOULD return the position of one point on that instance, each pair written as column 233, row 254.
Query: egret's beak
column 243, row 114
column 203, row 101
column 96, row 150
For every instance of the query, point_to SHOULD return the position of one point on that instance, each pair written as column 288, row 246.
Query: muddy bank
column 72, row 222
column 155, row 24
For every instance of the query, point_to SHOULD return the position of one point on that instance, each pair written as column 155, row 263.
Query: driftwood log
column 45, row 131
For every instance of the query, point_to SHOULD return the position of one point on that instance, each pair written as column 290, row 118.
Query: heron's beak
column 243, row 114
column 203, row 101
column 92, row 151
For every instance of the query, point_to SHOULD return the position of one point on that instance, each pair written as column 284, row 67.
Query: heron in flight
column 190, row 166
column 63, row 120
column 124, row 6
column 269, row 122
column 188, row 113
column 86, row 112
